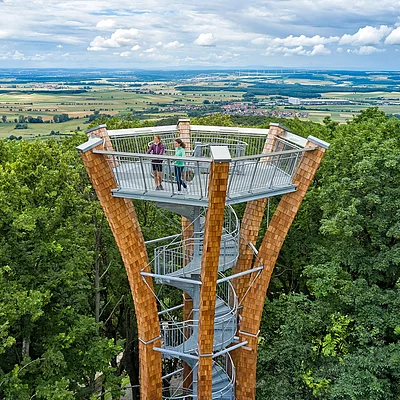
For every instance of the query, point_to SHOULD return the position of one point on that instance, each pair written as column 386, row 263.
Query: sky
column 331, row 34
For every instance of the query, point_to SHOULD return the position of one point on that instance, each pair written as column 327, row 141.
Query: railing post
column 274, row 172
column 199, row 179
column 254, row 174
column 230, row 179
column 116, row 172
column 143, row 174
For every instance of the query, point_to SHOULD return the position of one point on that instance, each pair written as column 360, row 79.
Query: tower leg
column 268, row 254
column 124, row 224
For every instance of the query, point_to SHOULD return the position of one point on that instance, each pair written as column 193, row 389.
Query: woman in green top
column 179, row 165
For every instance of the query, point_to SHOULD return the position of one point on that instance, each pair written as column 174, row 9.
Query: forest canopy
column 331, row 323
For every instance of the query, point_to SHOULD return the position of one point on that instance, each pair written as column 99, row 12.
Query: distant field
column 38, row 130
column 156, row 95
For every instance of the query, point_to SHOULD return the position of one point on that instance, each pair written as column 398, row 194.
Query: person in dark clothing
column 157, row 148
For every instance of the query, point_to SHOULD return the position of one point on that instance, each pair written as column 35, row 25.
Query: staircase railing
column 178, row 333
column 223, row 369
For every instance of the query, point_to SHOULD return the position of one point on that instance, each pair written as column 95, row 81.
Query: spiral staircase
column 178, row 264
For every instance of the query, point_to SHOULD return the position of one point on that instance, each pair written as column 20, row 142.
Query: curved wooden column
column 217, row 186
column 249, row 229
column 124, row 224
column 246, row 358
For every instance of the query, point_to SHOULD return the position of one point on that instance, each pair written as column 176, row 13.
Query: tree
column 50, row 344
column 334, row 334
column 214, row 119
column 66, row 309
column 4, row 118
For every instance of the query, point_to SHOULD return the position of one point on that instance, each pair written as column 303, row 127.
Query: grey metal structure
column 253, row 174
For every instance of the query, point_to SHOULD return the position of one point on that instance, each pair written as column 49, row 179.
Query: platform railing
column 254, row 138
column 264, row 171
column 134, row 172
column 139, row 142
column 249, row 174
column 284, row 145
column 237, row 148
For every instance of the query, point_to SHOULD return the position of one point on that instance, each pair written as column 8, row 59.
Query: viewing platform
column 258, row 168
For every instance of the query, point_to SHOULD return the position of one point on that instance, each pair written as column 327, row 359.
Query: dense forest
column 331, row 324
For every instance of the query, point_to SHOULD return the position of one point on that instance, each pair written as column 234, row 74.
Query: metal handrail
column 225, row 363
column 271, row 154
column 200, row 159
column 151, row 156
column 248, row 175
column 175, row 257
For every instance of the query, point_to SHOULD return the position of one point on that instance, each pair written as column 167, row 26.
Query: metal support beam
column 176, row 353
column 249, row 271
column 171, row 278
column 171, row 309
column 229, row 349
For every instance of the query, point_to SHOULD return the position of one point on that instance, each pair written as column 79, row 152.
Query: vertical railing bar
column 230, row 178
column 143, row 174
column 116, row 172
column 170, row 176
column 274, row 171
column 199, row 178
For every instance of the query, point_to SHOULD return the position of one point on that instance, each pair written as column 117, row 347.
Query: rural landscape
column 199, row 200
column 40, row 103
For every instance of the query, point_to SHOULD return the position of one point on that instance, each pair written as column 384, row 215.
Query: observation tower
column 205, row 347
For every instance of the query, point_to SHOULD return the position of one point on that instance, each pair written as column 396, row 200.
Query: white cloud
column 106, row 24
column 173, row 45
column 59, row 46
column 125, row 54
column 286, row 51
column 120, row 38
column 212, row 58
column 302, row 40
column 151, row 50
column 261, row 41
column 367, row 36
column 367, row 50
column 160, row 57
column 319, row 49
column 205, row 39
column 339, row 50
column 394, row 37
column 18, row 56
column 290, row 27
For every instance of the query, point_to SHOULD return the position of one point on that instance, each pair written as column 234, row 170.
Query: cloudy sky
column 355, row 34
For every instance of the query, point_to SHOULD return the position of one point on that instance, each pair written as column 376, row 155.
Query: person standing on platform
column 180, row 165
column 157, row 148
